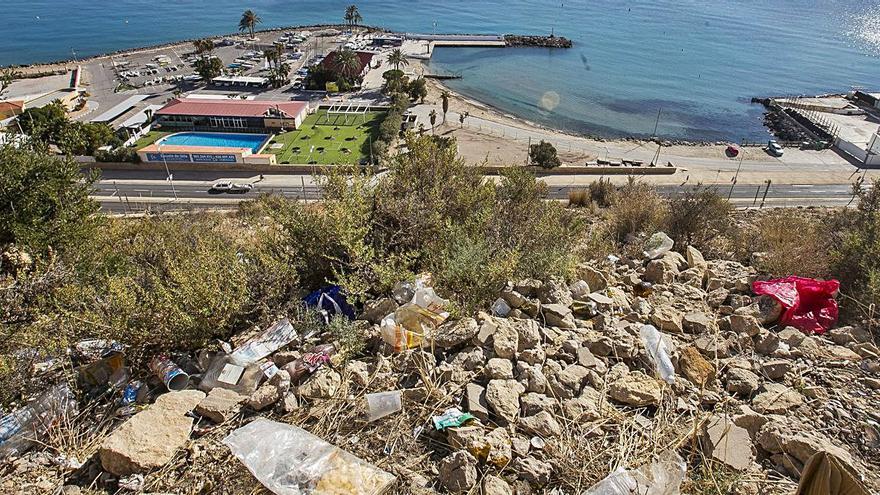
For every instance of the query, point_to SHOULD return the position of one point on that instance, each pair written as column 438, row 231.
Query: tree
column 462, row 117
column 278, row 75
column 209, row 68
column 395, row 82
column 249, row 20
column 433, row 117
column 444, row 97
column 418, row 89
column 352, row 16
column 544, row 155
column 348, row 63
column 397, row 59
column 44, row 124
column 7, row 75
column 203, row 47
column 44, row 201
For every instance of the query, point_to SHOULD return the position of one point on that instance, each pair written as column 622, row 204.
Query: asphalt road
column 135, row 192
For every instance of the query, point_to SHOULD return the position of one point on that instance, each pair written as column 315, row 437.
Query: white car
column 240, row 188
column 221, row 187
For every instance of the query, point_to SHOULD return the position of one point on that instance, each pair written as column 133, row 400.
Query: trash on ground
column 825, row 474
column 657, row 351
column 451, row 418
column 273, row 338
column 20, row 429
column 227, row 372
column 808, row 304
column 310, row 361
column 130, row 394
column 661, row 477
column 171, row 375
column 109, row 370
column 500, row 307
column 658, row 245
column 382, row 404
column 291, row 461
column 330, row 301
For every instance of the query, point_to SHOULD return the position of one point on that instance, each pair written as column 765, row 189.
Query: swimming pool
column 216, row 140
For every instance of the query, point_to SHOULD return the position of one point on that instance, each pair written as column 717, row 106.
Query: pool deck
column 175, row 148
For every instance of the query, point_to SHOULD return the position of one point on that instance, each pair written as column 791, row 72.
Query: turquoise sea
column 699, row 62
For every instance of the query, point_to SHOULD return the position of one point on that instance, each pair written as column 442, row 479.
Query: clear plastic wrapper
column 658, row 245
column 291, row 461
column 661, row 477
column 21, row 428
column 227, row 372
column 382, row 404
column 657, row 351
column 273, row 338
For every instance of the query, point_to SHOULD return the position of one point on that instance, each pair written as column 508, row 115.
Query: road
column 133, row 192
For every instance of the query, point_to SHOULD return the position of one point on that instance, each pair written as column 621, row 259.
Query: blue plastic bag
column 331, row 301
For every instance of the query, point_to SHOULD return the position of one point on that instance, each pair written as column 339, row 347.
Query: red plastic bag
column 809, row 304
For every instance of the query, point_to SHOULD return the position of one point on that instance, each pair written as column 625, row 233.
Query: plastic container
column 658, row 245
column 656, row 347
column 21, row 428
column 579, row 289
column 226, row 372
column 382, row 404
column 661, row 477
column 500, row 307
column 171, row 375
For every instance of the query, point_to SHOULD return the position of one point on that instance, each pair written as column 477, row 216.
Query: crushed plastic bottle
column 658, row 245
column 656, row 347
column 579, row 289
column 20, row 429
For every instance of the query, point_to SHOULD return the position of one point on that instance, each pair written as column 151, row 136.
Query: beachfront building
column 331, row 65
column 231, row 115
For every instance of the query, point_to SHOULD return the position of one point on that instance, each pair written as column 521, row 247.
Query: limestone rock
column 667, row 319
column 581, row 409
column 766, row 342
column 475, row 401
column 529, row 334
column 695, row 367
column 455, row 333
column 220, row 405
column 532, row 403
column 849, row 335
column 493, row 485
column 750, row 420
column 776, row 399
column 503, row 398
column 499, row 368
column 740, row 381
column 636, row 389
column 532, row 378
column 359, row 372
column 775, row 369
column 506, row 340
column 593, row 277
column 799, row 443
column 727, row 443
column 745, row 324
column 532, row 470
column 151, row 437
column 697, row 322
column 500, row 448
column 555, row 291
column 323, row 384
column 791, row 336
column 543, row 424
column 458, row 472
column 695, row 259
column 661, row 271
column 270, row 392
column 558, row 315
column 715, row 298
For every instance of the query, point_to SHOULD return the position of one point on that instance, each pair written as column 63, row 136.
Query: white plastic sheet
column 291, row 461
column 661, row 477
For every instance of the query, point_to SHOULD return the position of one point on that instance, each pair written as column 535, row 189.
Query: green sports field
column 327, row 139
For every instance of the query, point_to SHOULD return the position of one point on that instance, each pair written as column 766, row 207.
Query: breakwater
column 538, row 41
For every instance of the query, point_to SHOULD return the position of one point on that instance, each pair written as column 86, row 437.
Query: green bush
column 636, row 209
column 696, row 217
column 855, row 256
column 544, row 155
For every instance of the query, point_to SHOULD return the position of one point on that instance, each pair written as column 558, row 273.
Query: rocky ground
column 563, row 391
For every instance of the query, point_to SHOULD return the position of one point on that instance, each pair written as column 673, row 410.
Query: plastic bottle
column 579, row 289
column 382, row 404
column 658, row 245
column 658, row 353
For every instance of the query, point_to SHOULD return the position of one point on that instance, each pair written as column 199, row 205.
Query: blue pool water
column 698, row 62
column 216, row 139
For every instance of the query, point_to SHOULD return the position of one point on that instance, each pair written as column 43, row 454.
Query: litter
column 808, row 304
column 658, row 245
column 656, row 347
column 405, row 290
column 411, row 324
column 226, row 372
column 661, row 477
column 330, row 301
column 273, row 338
column 21, row 428
column 825, row 474
column 291, row 461
column 310, row 362
column 130, row 394
column 171, row 375
column 451, row 418
column 382, row 404
column 109, row 370
column 500, row 307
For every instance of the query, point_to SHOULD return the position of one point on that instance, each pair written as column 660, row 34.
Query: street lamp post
column 169, row 177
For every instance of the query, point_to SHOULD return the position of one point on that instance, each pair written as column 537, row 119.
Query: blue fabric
column 333, row 292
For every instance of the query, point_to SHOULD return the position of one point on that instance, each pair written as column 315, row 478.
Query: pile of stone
column 751, row 397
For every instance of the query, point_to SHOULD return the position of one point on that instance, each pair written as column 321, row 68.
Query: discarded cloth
column 824, row 474
column 331, row 300
column 808, row 304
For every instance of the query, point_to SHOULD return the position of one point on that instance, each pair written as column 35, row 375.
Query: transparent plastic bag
column 270, row 340
column 661, row 477
column 658, row 245
column 21, row 428
column 382, row 404
column 410, row 326
column 227, row 372
column 657, row 351
column 291, row 461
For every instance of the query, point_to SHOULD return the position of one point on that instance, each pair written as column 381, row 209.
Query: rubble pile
column 670, row 365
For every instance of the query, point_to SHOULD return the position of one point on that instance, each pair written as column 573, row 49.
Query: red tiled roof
column 329, row 61
column 11, row 108
column 231, row 108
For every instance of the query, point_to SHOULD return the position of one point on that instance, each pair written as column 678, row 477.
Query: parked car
column 774, row 148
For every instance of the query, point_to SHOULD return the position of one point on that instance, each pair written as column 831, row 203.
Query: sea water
column 697, row 63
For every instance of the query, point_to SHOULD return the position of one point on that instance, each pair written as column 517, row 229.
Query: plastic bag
column 310, row 362
column 291, row 461
column 227, row 372
column 382, row 404
column 808, row 304
column 331, row 301
column 658, row 245
column 273, row 338
column 657, row 351
column 661, row 477
column 19, row 429
column 410, row 326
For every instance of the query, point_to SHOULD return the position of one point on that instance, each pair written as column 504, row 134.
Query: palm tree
column 433, row 117
column 204, row 46
column 461, row 118
column 352, row 16
column 397, row 59
column 278, row 76
column 444, row 96
column 249, row 20
column 348, row 63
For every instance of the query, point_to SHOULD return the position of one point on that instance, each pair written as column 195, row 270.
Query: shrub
column 791, row 245
column 601, row 192
column 855, row 240
column 579, row 197
column 636, row 209
column 696, row 217
column 544, row 155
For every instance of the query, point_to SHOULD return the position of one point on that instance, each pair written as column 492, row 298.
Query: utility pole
column 736, row 176
column 169, row 176
column 657, row 122
column 765, row 193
